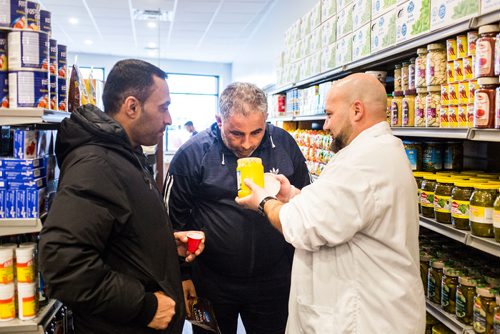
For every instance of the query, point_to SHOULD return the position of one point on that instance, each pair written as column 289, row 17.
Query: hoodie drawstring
column 272, row 143
column 223, row 160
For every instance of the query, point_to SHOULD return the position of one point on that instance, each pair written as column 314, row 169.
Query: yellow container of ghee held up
column 249, row 168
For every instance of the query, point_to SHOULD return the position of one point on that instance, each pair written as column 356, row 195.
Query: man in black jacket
column 245, row 269
column 107, row 248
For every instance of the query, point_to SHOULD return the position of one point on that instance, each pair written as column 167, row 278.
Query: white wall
column 257, row 60
column 223, row 70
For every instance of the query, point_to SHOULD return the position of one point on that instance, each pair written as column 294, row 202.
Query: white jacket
column 355, row 230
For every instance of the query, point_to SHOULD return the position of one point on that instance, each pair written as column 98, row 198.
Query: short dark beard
column 338, row 143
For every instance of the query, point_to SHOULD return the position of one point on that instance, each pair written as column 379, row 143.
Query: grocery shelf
column 398, row 51
column 484, row 135
column 431, row 132
column 11, row 226
column 21, row 116
column 280, row 119
column 34, row 325
column 448, row 319
column 319, row 117
column 487, row 245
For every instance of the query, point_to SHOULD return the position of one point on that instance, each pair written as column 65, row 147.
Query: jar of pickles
column 424, row 269
column 419, row 177
column 481, row 209
column 449, row 289
column 496, row 217
column 496, row 316
column 427, row 195
column 484, row 304
column 466, row 291
column 413, row 151
column 408, row 108
column 435, row 72
column 420, row 64
column 441, row 329
column 396, row 111
column 420, row 107
column 435, row 277
column 442, row 196
column 460, row 201
column 432, row 106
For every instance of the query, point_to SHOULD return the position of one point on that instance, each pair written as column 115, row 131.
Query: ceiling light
column 73, row 20
column 88, row 42
column 152, row 46
column 152, row 24
column 155, row 15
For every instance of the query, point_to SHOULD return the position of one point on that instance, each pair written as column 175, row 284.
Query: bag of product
column 203, row 315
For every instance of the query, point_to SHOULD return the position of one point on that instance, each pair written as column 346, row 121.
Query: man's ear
column 218, row 119
column 132, row 107
column 358, row 111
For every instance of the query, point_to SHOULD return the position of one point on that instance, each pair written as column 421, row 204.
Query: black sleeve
column 89, row 207
column 301, row 176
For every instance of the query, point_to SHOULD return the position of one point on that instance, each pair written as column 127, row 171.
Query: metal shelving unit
column 33, row 326
column 432, row 132
column 448, row 319
column 22, row 116
column 19, row 226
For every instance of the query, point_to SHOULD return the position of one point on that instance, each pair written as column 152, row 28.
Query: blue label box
column 20, row 201
column 34, row 184
column 35, row 202
column 20, row 164
column 10, row 203
column 23, row 175
column 2, row 203
column 25, row 144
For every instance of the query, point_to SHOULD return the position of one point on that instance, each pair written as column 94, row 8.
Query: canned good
column 463, row 92
column 435, row 72
column 6, row 265
column 53, row 92
column 28, row 89
column 45, row 21
column 420, row 107
column 14, row 14
column 3, row 51
column 33, row 15
column 396, row 111
column 458, row 65
column 453, row 93
column 432, row 106
column 453, row 116
column 4, row 89
column 62, row 94
column 397, row 78
column 62, row 61
column 468, row 67
column 484, row 102
column 445, row 99
column 443, row 117
column 7, row 302
column 25, row 265
column 471, row 42
column 442, row 196
column 461, row 46
column 482, row 208
column 450, row 72
column 26, row 297
column 414, row 153
column 53, row 56
column 451, row 49
column 249, row 168
column 28, row 50
column 470, row 115
column 485, row 52
column 408, row 108
column 420, row 64
column 460, row 202
column 453, row 156
column 462, row 116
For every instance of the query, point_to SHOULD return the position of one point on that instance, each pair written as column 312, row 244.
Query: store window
column 195, row 99
column 97, row 72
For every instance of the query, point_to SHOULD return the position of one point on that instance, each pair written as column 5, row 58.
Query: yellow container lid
column 431, row 177
column 471, row 172
column 488, row 176
column 420, row 174
column 486, row 186
column 441, row 179
column 465, row 183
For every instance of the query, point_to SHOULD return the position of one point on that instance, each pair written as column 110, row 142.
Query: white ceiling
column 202, row 30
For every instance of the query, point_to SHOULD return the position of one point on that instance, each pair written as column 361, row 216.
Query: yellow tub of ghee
column 249, row 168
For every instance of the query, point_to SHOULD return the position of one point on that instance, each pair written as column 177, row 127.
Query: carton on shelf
column 383, row 31
column 328, row 9
column 413, row 19
column 361, row 42
column 487, row 6
column 448, row 12
column 362, row 10
column 329, row 32
column 344, row 22
column 328, row 58
column 380, row 7
column 343, row 53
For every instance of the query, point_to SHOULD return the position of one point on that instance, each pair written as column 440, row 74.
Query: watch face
column 271, row 184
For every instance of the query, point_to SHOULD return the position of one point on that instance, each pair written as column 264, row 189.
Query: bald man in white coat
column 355, row 230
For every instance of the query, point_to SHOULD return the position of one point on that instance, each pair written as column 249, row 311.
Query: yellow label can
column 249, row 168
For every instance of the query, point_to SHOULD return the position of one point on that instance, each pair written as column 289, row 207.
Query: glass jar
column 432, row 157
column 251, row 168
column 481, row 209
column 420, row 107
column 396, row 112
column 397, row 78
column 427, row 195
column 419, row 178
column 484, row 103
column 453, row 156
column 485, row 51
column 435, row 277
column 449, row 289
column 404, row 75
column 497, row 106
column 435, row 72
column 484, row 304
column 442, row 196
column 408, row 108
column 420, row 64
column 424, row 269
column 497, row 54
column 496, row 217
column 432, row 106
column 413, row 151
column 411, row 75
column 460, row 201
column 466, row 292
column 496, row 316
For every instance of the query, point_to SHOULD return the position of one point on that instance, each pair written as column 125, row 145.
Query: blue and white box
column 20, row 164
column 25, row 144
column 10, row 203
column 24, row 175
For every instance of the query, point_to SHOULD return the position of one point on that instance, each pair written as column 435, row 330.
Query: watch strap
column 263, row 202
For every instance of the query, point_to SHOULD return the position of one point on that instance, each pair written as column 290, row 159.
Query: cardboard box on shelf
column 342, row 3
column 487, row 6
column 413, row 19
column 20, row 164
column 448, row 12
column 328, row 9
column 329, row 31
column 380, row 7
column 316, row 63
column 343, row 53
column 344, row 22
column 383, row 31
column 25, row 143
column 361, row 42
column 328, row 58
column 305, row 25
column 315, row 20
column 362, row 10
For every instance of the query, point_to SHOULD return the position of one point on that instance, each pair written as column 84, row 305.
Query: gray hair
column 243, row 98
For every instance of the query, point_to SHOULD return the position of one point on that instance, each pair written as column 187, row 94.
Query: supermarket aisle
column 187, row 328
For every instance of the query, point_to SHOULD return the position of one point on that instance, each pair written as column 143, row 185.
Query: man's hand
column 253, row 200
column 287, row 190
column 164, row 313
column 181, row 240
column 189, row 295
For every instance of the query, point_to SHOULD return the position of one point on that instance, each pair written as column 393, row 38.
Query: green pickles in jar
column 435, row 277
column 484, row 304
column 466, row 291
column 427, row 195
column 442, row 196
column 449, row 289
column 460, row 201
column 481, row 209
column 424, row 269
column 419, row 177
column 496, row 220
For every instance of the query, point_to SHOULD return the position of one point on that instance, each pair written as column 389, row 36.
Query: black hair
column 188, row 123
column 129, row 77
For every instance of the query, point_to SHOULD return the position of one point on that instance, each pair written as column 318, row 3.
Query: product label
column 461, row 307
column 459, row 73
column 484, row 54
column 394, row 113
column 463, row 92
column 497, row 104
column 445, row 296
column 406, row 113
column 482, row 109
column 427, row 199
column 412, row 157
column 496, row 220
column 29, row 308
column 496, row 322
column 468, row 68
column 450, row 72
column 479, row 317
column 7, row 272
column 25, row 272
column 482, row 215
column 442, row 203
column 461, row 46
column 443, row 117
column 431, row 287
column 460, row 209
column 7, row 309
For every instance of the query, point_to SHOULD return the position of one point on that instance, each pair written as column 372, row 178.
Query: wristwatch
column 263, row 202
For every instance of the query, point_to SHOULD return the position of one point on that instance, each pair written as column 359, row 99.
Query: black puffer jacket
column 200, row 189
column 107, row 243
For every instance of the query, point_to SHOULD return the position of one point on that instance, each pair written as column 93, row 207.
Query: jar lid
column 471, row 172
column 487, row 81
column 435, row 46
column 464, row 183
column 431, row 177
column 489, row 28
column 397, row 66
column 445, row 179
column 425, row 257
column 421, row 90
column 421, row 51
column 244, row 161
column 450, row 271
column 397, row 93
column 466, row 280
column 487, row 176
column 486, row 186
column 410, row 92
column 438, row 264
column 420, row 174
column 433, row 88
column 485, row 291
column 405, row 63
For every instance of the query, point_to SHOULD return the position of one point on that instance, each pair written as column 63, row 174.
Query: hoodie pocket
column 315, row 319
